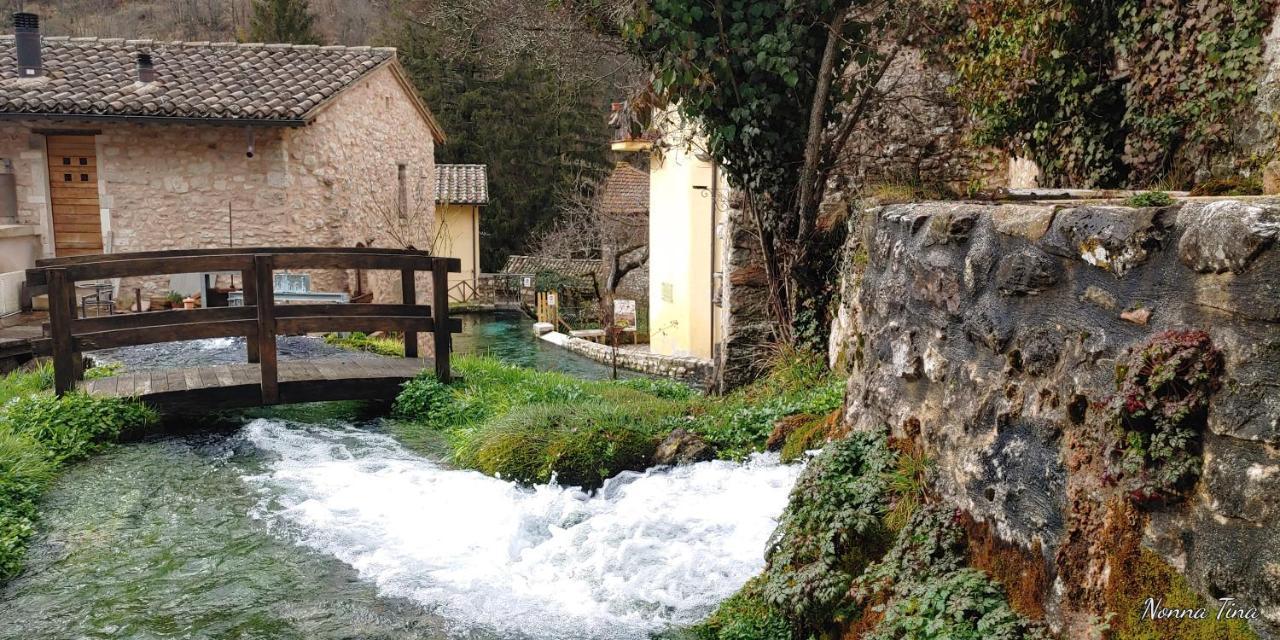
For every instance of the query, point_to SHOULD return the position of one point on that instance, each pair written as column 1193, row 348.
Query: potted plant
column 173, row 300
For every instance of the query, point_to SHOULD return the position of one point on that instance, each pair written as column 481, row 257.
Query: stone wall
column 331, row 183
column 741, row 350
column 993, row 336
column 694, row 371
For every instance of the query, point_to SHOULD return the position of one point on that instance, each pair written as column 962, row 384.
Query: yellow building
column 461, row 190
column 687, row 210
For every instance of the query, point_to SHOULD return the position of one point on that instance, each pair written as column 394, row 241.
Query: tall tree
column 777, row 89
column 542, row 133
column 283, row 21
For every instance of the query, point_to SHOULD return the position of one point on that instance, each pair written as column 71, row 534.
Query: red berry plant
column 1159, row 414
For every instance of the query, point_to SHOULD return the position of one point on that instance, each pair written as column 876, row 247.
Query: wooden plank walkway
column 239, row 385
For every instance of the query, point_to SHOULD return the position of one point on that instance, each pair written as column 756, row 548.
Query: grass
column 1150, row 199
column 532, row 426
column 357, row 341
column 39, row 433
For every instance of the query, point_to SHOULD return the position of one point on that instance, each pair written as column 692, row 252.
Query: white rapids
column 648, row 551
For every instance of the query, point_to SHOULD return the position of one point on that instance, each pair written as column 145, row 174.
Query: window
column 402, row 190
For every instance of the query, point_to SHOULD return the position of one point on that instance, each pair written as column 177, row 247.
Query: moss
column 928, row 593
column 574, row 445
column 1022, row 571
column 804, row 432
column 1137, row 573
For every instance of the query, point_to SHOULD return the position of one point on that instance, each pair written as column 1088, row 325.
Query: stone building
column 131, row 145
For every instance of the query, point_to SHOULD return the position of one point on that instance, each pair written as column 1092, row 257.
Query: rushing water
column 293, row 530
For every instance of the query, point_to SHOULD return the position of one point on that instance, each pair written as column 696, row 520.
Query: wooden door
column 73, row 192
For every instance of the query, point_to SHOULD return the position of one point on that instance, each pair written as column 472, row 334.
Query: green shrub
column 75, row 425
column 1150, row 199
column 927, row 593
column 746, row 615
column 38, row 432
column 105, row 370
column 830, row 530
column 960, row 605
column 24, row 471
column 660, row 387
column 423, row 398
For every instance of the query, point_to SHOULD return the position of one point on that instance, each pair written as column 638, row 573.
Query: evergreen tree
column 282, row 21
column 541, row 134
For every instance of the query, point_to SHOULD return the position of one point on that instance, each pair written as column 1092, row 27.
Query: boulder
column 1027, row 272
column 1225, row 235
column 682, row 447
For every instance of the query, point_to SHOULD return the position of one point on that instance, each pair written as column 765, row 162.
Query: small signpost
column 624, row 314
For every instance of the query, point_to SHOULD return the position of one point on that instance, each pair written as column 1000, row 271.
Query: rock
column 683, row 447
column 1099, row 297
column 1116, row 239
column 1039, row 351
column 1023, row 220
column 1027, row 272
column 782, row 429
column 1226, row 235
column 1138, row 316
column 951, row 227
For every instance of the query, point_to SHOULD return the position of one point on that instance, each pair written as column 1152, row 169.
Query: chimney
column 26, row 36
column 146, row 70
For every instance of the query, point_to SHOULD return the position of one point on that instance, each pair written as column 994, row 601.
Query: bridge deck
column 239, row 385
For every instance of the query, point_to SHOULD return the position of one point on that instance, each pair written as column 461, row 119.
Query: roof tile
column 462, row 184
column 222, row 81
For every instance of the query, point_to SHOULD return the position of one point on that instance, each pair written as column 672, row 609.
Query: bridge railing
column 259, row 321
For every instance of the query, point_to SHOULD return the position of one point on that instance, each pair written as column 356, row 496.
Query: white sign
column 624, row 314
column 551, row 299
column 528, row 282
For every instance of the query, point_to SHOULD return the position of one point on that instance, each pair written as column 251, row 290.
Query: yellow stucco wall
column 682, row 253
column 457, row 235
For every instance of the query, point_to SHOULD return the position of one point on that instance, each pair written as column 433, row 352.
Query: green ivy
column 1105, row 92
column 830, row 530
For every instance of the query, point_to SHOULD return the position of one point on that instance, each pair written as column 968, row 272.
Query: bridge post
column 443, row 339
column 249, row 282
column 62, row 312
column 263, row 270
column 409, row 295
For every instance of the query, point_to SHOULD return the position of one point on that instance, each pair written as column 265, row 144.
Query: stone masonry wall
column 331, row 183
column 992, row 335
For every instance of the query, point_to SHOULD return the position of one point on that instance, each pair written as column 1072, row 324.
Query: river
column 322, row 526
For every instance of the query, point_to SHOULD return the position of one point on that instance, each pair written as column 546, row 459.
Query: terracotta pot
column 188, row 303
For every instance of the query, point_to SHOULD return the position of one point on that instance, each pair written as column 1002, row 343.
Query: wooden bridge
column 263, row 381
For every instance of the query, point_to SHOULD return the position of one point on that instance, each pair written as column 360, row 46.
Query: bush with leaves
column 830, row 530
column 1160, row 411
column 38, row 433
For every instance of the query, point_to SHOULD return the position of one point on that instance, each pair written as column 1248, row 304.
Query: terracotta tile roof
column 563, row 266
column 626, row 191
column 462, row 184
column 97, row 77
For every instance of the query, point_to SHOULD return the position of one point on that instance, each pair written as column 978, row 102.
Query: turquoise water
column 508, row 336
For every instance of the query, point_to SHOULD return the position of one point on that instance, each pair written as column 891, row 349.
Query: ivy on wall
column 1106, row 93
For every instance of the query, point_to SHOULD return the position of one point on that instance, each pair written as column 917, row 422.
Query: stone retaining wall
column 994, row 336
column 694, row 371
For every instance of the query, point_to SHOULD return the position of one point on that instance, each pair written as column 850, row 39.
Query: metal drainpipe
column 715, row 186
